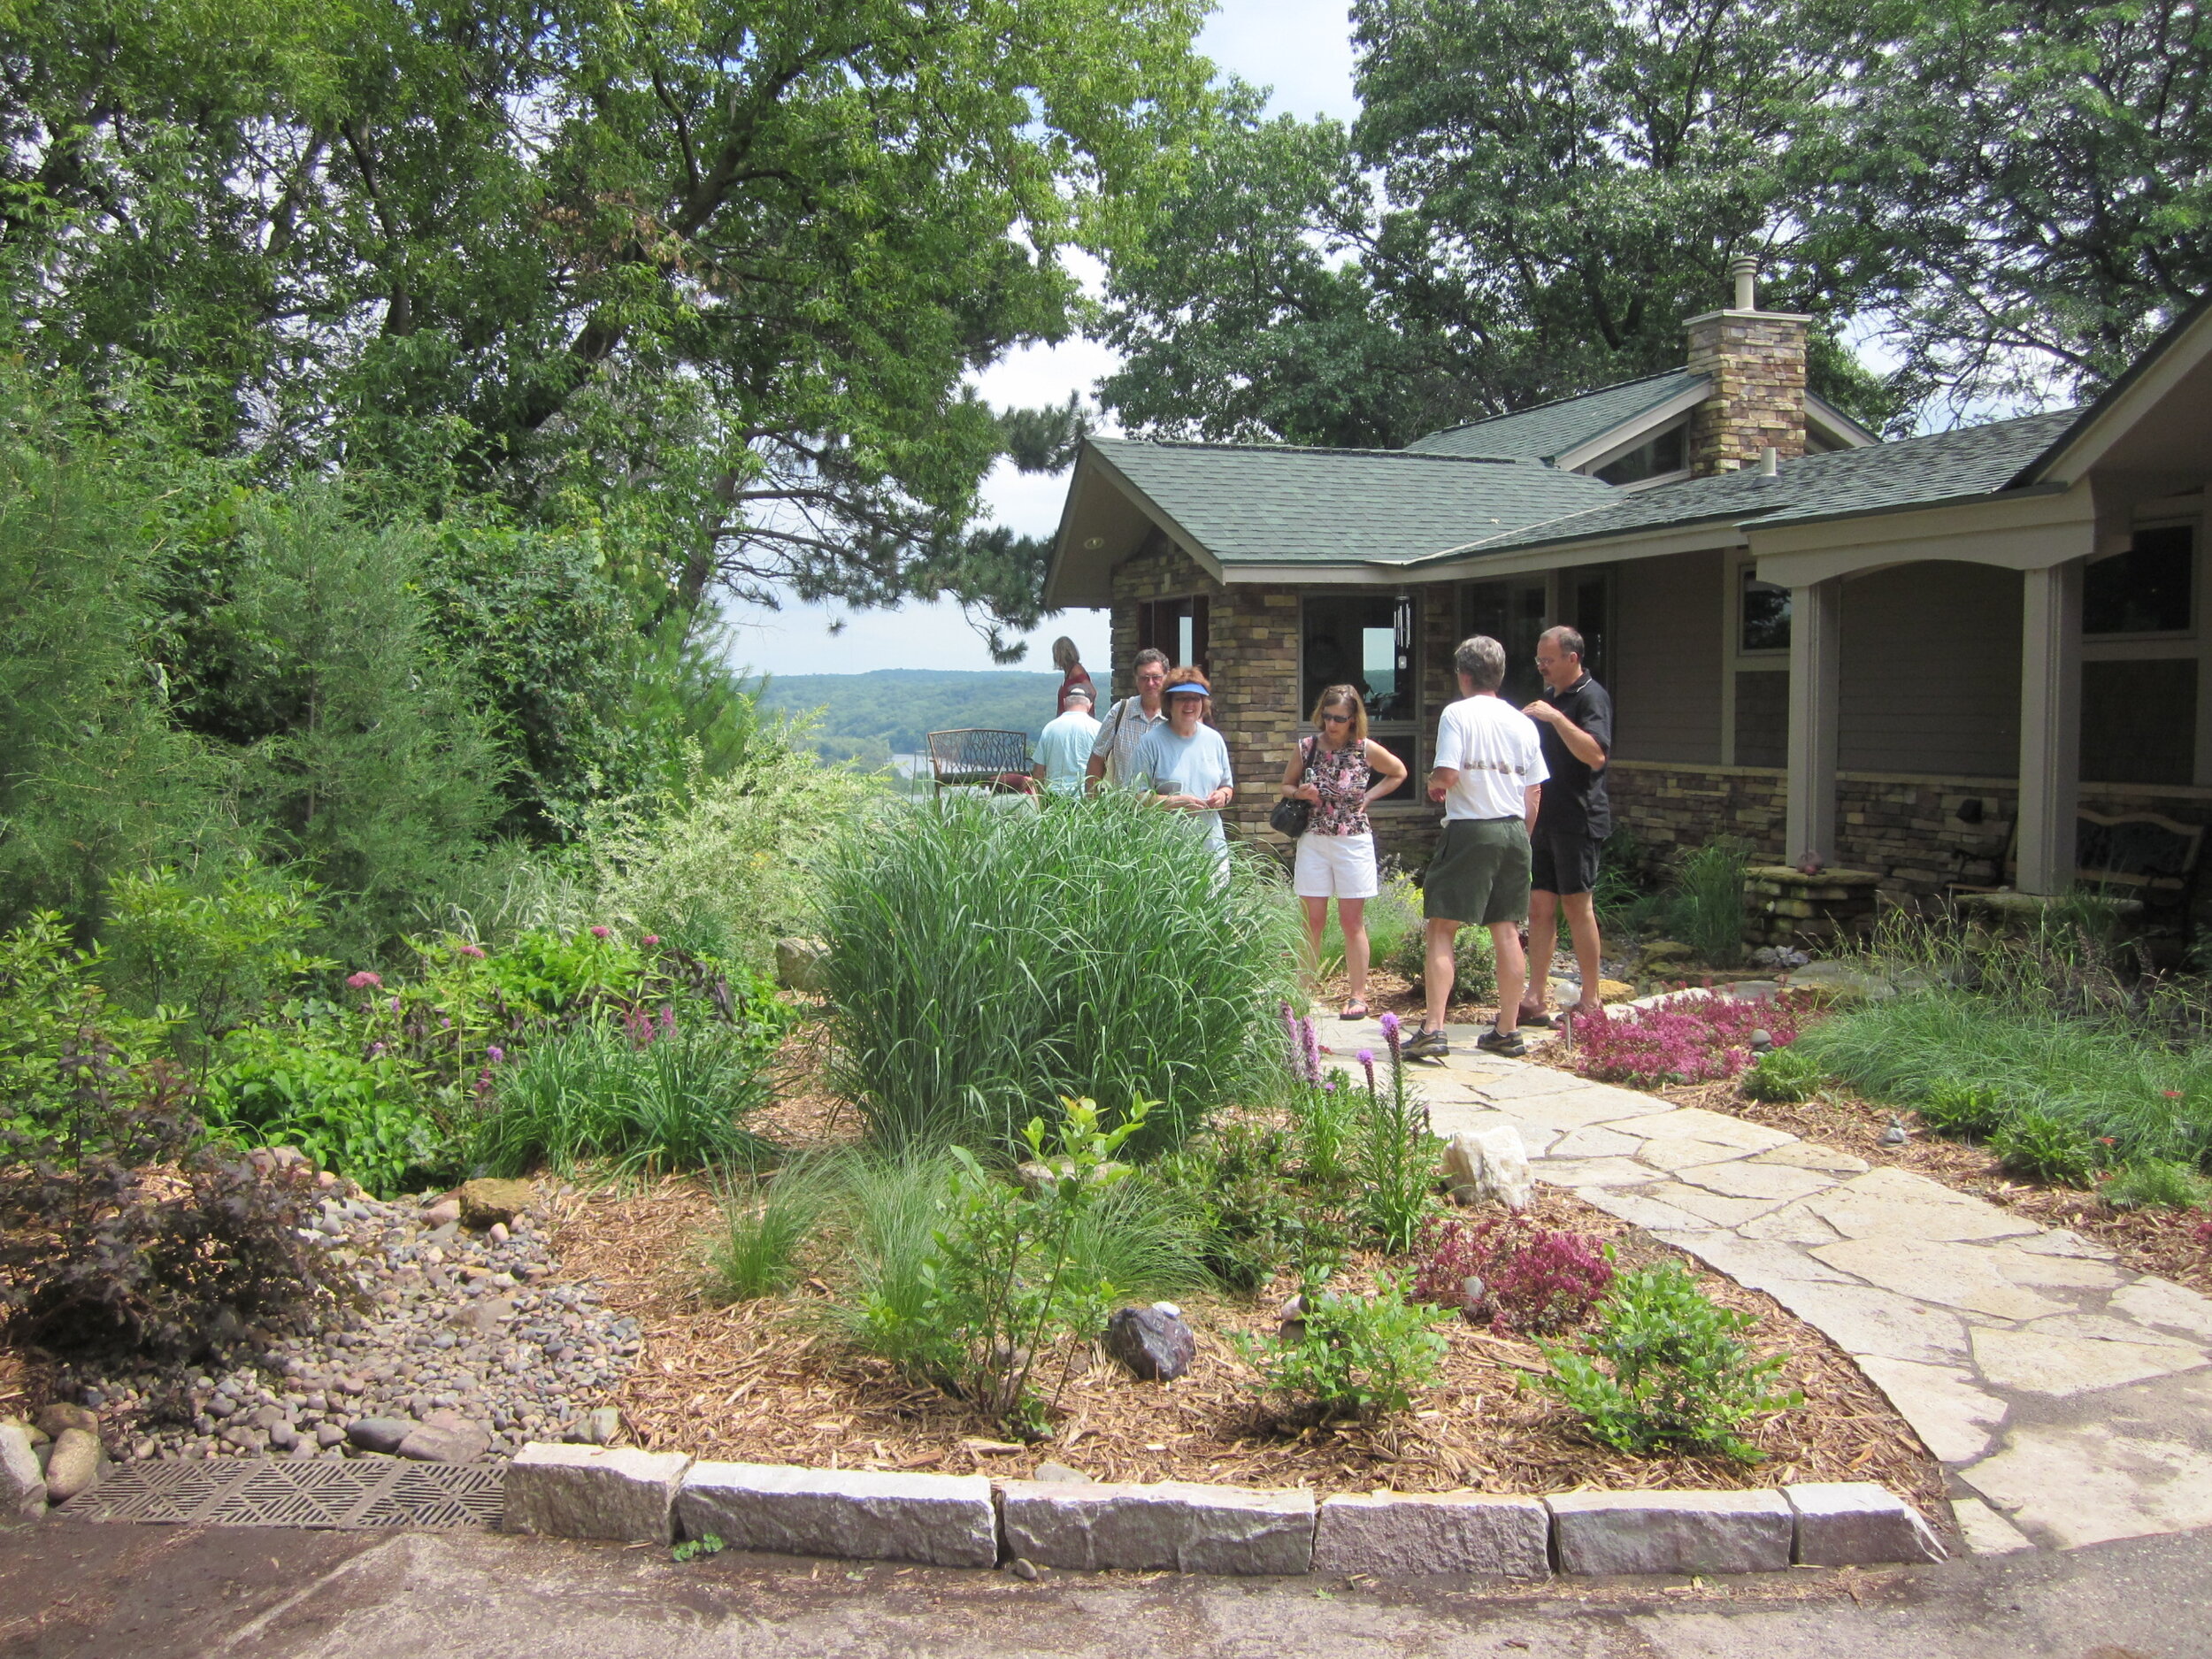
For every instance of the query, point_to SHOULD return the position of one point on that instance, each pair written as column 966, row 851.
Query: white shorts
column 1335, row 867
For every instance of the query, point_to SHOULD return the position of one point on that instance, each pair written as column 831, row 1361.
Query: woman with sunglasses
column 1340, row 771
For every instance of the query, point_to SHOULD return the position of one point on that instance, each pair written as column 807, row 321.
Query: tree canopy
column 712, row 274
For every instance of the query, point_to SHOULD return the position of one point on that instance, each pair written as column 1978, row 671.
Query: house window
column 1765, row 624
column 1177, row 626
column 2146, row 589
column 1364, row 641
column 1591, row 607
column 1653, row 459
column 1514, row 614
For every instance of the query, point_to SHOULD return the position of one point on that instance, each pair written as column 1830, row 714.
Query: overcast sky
column 1302, row 49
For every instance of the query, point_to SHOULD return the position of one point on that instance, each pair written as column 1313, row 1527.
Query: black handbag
column 1291, row 817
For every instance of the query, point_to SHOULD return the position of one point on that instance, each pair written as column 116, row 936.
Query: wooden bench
column 2145, row 860
column 979, row 757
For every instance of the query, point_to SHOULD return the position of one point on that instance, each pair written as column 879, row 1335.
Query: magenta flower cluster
column 1699, row 1039
column 363, row 980
column 1534, row 1279
column 1305, row 1047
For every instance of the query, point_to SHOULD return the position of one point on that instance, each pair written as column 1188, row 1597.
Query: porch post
column 1815, row 640
column 2050, row 726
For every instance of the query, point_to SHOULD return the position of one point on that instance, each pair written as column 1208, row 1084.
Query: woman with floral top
column 1339, row 771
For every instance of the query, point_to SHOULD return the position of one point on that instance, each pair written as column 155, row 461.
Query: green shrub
column 291, row 1086
column 1237, row 1183
column 1476, row 957
column 2157, row 1184
column 1961, row 1110
column 1353, row 1358
column 2047, row 1148
column 53, row 1013
column 665, row 1095
column 765, row 1222
column 1667, row 1369
column 1397, row 1157
column 1007, row 1279
column 1785, row 1076
column 1393, row 917
column 984, row 957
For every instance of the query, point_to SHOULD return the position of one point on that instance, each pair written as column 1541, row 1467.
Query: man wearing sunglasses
column 1574, row 716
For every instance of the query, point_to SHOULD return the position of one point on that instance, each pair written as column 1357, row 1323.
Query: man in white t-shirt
column 1489, row 770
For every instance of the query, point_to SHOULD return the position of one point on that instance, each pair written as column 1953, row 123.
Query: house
column 1920, row 659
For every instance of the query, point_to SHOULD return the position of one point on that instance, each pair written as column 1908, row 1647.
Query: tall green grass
column 672, row 1101
column 766, row 1220
column 985, row 962
column 1703, row 903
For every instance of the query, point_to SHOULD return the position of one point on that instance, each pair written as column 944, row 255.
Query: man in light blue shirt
column 1063, row 747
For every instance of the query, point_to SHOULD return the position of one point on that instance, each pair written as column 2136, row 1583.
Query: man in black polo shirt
column 1574, row 718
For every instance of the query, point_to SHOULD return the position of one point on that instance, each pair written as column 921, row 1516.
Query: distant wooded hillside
column 871, row 717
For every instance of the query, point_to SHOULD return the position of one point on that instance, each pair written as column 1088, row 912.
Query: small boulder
column 1050, row 1470
column 444, row 1213
column 446, row 1437
column 1659, row 950
column 486, row 1203
column 1490, row 1165
column 1155, row 1346
column 75, row 1466
column 379, row 1434
column 802, row 965
column 52, row 1419
column 596, row 1427
column 22, row 1483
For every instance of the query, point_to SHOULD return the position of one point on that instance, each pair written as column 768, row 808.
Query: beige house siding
column 1931, row 675
column 1667, row 659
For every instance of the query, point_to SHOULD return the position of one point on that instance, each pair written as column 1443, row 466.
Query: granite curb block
column 616, row 1491
column 1179, row 1525
column 853, row 1514
column 972, row 1521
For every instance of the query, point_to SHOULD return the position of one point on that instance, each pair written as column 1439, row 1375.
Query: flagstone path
column 2069, row 1399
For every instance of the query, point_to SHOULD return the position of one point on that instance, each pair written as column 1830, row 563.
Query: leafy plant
column 982, row 959
column 1397, row 1154
column 1356, row 1357
column 1961, row 1109
column 1785, row 1076
column 1690, row 1039
column 1474, row 957
column 1238, row 1185
column 1533, row 1279
column 692, row 1548
column 361, row 1117
column 1703, row 905
column 1324, row 1107
column 126, row 1230
column 1667, row 1368
column 53, row 1011
column 1005, row 1278
column 654, row 1093
column 2047, row 1148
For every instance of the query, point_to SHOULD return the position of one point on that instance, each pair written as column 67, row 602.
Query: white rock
column 856, row 1514
column 22, row 1483
column 1490, row 1164
column 1673, row 1532
column 1174, row 1524
column 74, row 1466
column 1412, row 1532
column 594, row 1492
column 1857, row 1523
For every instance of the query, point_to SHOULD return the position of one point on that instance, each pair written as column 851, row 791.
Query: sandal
column 1356, row 1008
column 1537, row 1017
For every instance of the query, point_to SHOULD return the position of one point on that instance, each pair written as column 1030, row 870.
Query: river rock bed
column 465, row 1347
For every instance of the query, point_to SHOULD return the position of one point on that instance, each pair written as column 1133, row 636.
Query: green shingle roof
column 1549, row 430
column 1255, row 503
column 1973, row 461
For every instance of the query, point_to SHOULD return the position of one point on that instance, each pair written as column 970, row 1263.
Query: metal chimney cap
column 1744, row 270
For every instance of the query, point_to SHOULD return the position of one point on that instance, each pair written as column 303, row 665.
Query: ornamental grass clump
column 987, row 953
column 1692, row 1039
column 1668, row 1369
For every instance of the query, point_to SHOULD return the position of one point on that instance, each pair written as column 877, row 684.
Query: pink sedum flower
column 363, row 980
column 473, row 952
column 649, row 941
column 601, row 932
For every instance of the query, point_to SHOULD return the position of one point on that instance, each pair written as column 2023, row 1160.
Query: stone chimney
column 1757, row 362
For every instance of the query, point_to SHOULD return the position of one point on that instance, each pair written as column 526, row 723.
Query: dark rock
column 379, row 1434
column 1155, row 1346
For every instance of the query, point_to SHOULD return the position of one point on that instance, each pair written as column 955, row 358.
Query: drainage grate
column 362, row 1493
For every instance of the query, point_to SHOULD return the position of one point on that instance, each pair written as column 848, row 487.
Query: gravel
column 455, row 1322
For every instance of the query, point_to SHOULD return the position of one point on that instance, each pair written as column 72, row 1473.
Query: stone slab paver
column 2012, row 1349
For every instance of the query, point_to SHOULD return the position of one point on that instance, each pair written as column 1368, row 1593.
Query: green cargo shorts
column 1479, row 872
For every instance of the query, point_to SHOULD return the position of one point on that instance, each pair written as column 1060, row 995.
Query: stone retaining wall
column 636, row 1496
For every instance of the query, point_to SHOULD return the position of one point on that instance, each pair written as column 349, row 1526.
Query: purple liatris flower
column 396, row 1005
column 1366, row 1057
column 494, row 1053
column 1329, row 1088
column 1309, row 1050
column 1389, row 1023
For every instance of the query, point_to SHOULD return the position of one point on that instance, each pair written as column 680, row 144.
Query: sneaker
column 1428, row 1043
column 1506, row 1043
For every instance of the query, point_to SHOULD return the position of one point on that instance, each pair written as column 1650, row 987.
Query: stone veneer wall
column 1757, row 362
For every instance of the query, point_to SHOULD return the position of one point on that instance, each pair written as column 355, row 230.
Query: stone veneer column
column 1757, row 360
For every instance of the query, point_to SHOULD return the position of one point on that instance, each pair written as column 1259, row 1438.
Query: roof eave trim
column 1854, row 435
column 2077, row 443
column 1923, row 504
column 1626, row 434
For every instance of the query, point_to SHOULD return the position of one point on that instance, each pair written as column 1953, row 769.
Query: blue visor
column 1187, row 688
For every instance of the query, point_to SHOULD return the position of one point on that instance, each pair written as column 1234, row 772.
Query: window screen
column 2144, row 590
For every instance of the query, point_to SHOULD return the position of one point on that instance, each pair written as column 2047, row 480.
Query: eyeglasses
column 1336, row 719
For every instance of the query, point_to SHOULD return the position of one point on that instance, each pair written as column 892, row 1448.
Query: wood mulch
column 769, row 1382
